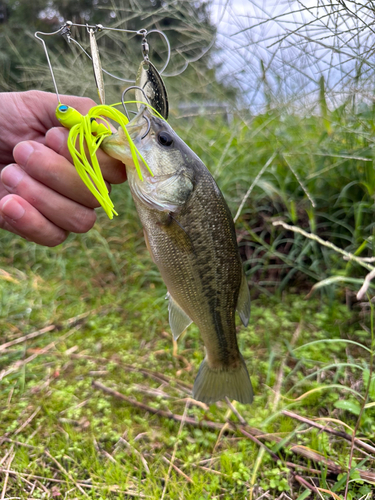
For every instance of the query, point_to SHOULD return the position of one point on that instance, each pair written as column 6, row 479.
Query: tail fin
column 212, row 385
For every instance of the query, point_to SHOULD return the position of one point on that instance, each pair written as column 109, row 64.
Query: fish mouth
column 140, row 125
column 117, row 145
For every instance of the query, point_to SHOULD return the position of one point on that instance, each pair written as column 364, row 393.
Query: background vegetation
column 286, row 127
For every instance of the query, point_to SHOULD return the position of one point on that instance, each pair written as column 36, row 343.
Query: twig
column 325, row 243
column 5, row 457
column 235, row 411
column 366, row 283
column 213, row 471
column 69, row 322
column 247, row 431
column 62, row 481
column 29, row 336
column 188, row 479
column 104, row 452
column 20, row 363
column 304, row 483
column 10, row 460
column 66, row 473
column 329, row 430
column 43, row 487
column 18, row 443
column 36, row 477
column 259, row 443
column 175, row 449
column 26, row 423
column 155, row 411
column 158, row 377
column 138, row 453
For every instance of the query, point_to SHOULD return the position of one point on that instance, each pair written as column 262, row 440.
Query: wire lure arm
column 99, row 27
column 65, row 31
column 59, row 31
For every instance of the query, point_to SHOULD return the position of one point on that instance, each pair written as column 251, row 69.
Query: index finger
column 113, row 170
column 43, row 106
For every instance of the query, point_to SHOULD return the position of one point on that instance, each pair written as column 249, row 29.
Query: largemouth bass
column 190, row 234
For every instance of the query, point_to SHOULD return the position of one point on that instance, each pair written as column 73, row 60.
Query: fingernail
column 11, row 176
column 22, row 152
column 12, row 209
column 60, row 139
column 56, row 138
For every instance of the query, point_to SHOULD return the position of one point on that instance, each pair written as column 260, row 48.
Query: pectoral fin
column 178, row 319
column 243, row 302
column 148, row 246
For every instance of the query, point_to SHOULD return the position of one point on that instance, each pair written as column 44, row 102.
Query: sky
column 288, row 45
column 280, row 49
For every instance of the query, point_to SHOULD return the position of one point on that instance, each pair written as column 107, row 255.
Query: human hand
column 42, row 198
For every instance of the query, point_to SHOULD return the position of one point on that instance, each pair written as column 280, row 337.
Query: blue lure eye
column 63, row 108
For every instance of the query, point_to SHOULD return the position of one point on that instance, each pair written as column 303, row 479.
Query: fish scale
column 190, row 234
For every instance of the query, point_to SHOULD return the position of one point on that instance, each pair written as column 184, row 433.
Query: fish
column 190, row 234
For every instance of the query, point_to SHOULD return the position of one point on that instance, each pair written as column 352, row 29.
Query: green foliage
column 334, row 171
column 109, row 275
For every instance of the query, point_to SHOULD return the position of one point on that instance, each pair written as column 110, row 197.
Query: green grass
column 321, row 180
column 123, row 341
column 312, row 357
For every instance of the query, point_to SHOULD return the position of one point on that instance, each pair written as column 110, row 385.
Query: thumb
column 43, row 105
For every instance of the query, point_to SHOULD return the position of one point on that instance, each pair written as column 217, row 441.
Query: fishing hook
column 148, row 126
column 148, row 123
column 123, row 98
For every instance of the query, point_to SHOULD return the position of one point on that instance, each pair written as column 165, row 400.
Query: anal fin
column 178, row 319
column 243, row 302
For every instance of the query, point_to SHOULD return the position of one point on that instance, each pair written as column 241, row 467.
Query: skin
column 42, row 198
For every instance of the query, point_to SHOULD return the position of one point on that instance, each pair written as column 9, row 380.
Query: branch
column 325, row 243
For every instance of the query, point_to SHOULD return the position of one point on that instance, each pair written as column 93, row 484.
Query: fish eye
column 165, row 139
